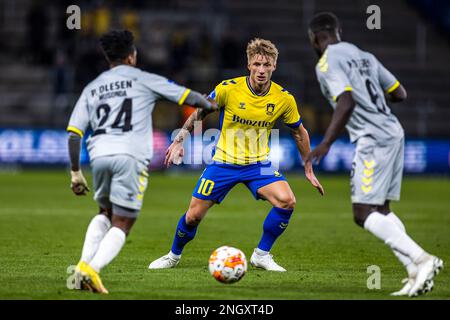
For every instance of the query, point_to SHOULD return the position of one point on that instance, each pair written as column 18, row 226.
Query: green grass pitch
column 42, row 226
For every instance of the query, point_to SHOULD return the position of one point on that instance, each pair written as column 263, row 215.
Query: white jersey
column 117, row 106
column 344, row 67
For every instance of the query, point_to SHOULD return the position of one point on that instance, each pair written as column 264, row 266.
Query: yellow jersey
column 246, row 119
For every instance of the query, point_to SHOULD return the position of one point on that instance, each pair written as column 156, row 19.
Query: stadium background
column 197, row 43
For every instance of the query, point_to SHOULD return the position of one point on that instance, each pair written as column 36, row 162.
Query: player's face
column 261, row 69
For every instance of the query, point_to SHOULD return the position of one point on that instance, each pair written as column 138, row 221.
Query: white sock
column 260, row 252
column 109, row 248
column 174, row 256
column 388, row 231
column 411, row 268
column 96, row 230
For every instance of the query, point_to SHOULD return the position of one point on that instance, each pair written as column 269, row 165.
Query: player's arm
column 334, row 78
column 301, row 138
column 197, row 100
column 397, row 95
column 394, row 91
column 205, row 105
column 291, row 118
column 78, row 183
column 171, row 91
column 188, row 126
column 341, row 115
column 175, row 152
column 74, row 146
column 78, row 123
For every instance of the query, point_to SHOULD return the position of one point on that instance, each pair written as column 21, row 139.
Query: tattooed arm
column 175, row 152
column 197, row 115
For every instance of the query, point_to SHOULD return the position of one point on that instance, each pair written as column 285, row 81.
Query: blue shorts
column 219, row 178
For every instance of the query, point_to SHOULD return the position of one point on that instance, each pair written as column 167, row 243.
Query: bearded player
column 249, row 107
column 356, row 84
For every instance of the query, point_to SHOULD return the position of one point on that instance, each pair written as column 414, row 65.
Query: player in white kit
column 356, row 83
column 117, row 106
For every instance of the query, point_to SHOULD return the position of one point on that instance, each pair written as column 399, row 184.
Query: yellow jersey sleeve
column 291, row 116
column 219, row 94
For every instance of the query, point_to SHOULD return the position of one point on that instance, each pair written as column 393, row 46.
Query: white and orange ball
column 227, row 264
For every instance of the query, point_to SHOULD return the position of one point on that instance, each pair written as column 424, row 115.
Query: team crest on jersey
column 241, row 105
column 270, row 108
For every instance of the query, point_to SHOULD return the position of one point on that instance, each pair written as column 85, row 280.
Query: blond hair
column 262, row 47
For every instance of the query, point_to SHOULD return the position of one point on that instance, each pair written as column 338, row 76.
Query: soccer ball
column 227, row 264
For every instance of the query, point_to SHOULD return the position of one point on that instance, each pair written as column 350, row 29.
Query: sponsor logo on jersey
column 241, row 105
column 254, row 123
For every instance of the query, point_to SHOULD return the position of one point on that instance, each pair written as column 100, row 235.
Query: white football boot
column 428, row 287
column 265, row 262
column 165, row 262
column 409, row 282
column 426, row 271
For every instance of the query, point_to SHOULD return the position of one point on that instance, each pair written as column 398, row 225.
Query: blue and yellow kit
column 242, row 111
column 246, row 120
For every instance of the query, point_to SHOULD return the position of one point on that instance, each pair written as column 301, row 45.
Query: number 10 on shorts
column 206, row 187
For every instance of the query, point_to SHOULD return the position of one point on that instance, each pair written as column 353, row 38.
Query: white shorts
column 377, row 171
column 119, row 180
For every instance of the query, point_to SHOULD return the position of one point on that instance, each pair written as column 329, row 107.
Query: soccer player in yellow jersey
column 249, row 107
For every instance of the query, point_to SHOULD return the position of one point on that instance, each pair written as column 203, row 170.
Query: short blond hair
column 263, row 47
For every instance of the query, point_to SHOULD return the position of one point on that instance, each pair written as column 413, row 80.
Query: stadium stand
column 40, row 79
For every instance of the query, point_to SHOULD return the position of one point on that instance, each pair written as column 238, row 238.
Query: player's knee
column 123, row 224
column 123, row 218
column 193, row 215
column 360, row 216
column 287, row 202
column 192, row 218
column 106, row 212
column 197, row 210
column 385, row 208
column 359, row 220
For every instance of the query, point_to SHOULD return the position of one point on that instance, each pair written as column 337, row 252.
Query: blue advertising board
column 49, row 147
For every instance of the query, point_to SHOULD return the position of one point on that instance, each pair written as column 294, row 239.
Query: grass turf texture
column 42, row 227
